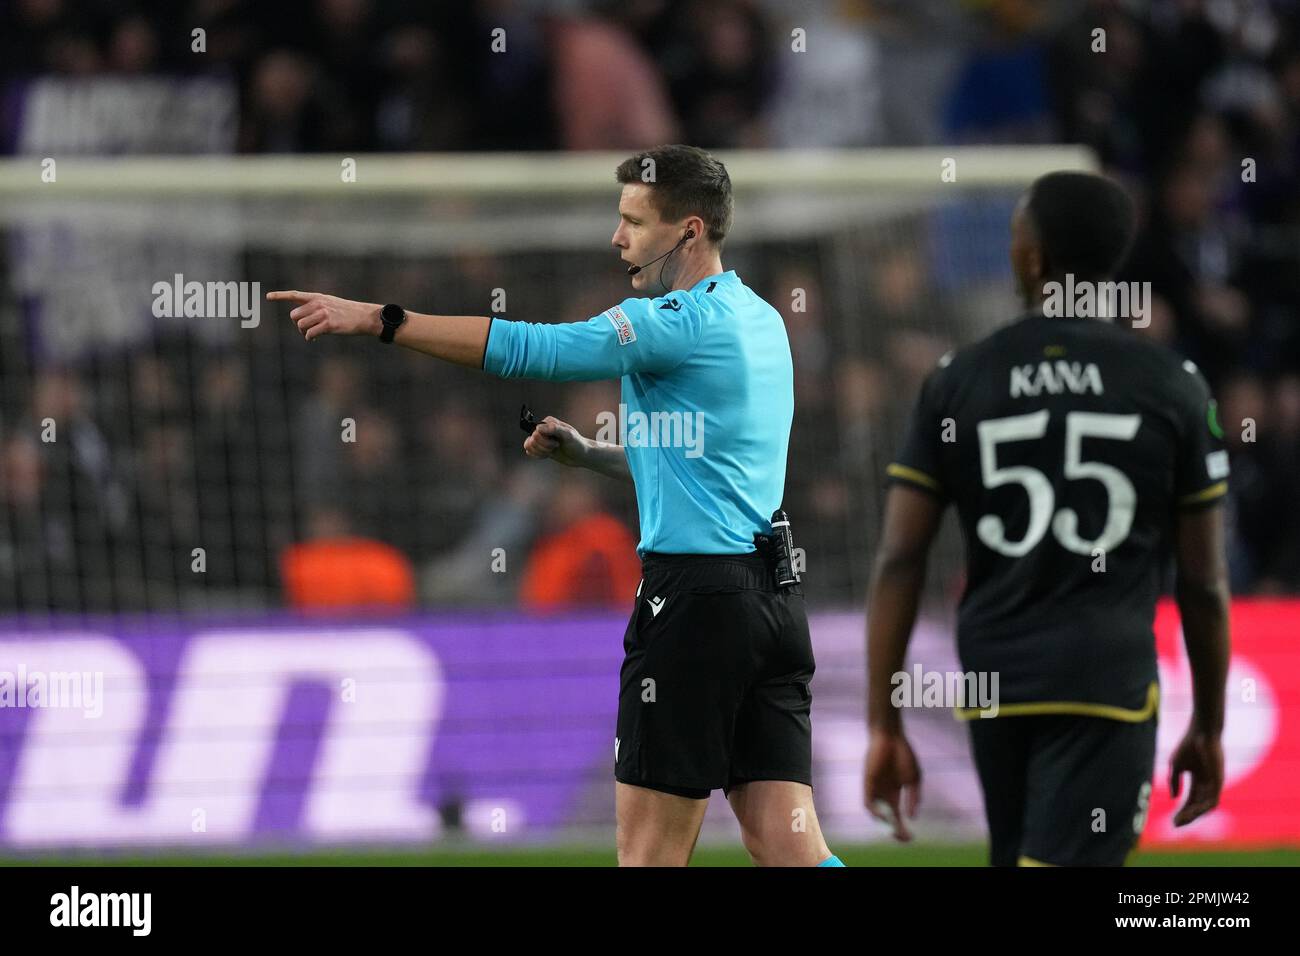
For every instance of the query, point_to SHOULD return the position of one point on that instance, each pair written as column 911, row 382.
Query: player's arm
column 913, row 508
column 893, row 778
column 911, row 521
column 1202, row 594
column 1201, row 590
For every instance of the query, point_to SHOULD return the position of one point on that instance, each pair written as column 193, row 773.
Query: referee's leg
column 656, row 828
column 778, row 823
column 770, row 777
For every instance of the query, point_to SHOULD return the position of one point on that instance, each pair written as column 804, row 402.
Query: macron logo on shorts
column 657, row 604
column 622, row 325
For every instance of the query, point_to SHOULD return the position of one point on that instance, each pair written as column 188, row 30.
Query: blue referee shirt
column 707, row 401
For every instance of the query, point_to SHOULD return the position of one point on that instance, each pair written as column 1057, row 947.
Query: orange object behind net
column 346, row 572
column 592, row 563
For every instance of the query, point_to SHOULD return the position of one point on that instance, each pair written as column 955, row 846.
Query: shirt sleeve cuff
column 496, row 350
column 914, row 477
column 1204, row 498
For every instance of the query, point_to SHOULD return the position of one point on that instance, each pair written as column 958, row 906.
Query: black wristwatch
column 392, row 316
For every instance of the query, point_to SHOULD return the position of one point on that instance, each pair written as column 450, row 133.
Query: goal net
column 162, row 448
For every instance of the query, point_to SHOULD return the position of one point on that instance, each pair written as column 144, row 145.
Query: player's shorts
column 715, row 685
column 1063, row 789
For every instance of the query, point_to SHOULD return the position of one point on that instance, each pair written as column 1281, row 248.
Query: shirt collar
column 728, row 276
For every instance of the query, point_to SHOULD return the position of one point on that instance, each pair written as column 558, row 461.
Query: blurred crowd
column 1194, row 104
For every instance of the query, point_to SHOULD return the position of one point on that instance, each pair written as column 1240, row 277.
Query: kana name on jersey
column 1055, row 378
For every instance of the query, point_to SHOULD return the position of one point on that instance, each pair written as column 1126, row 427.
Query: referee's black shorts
column 714, row 689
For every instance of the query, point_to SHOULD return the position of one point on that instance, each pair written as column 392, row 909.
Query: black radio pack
column 777, row 550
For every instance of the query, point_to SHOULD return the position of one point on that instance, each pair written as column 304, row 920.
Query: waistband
column 707, row 570
column 652, row 560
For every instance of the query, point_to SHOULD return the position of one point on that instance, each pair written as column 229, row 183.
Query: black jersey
column 1068, row 446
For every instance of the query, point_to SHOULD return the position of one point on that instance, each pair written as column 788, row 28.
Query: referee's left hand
column 556, row 440
column 892, row 785
column 320, row 314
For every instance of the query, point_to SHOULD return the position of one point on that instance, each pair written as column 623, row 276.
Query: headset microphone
column 690, row 234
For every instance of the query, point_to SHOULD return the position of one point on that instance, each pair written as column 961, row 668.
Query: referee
column 715, row 683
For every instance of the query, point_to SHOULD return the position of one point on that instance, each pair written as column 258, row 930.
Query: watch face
column 392, row 315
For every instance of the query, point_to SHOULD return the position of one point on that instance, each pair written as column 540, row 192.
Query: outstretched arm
column 634, row 336
column 460, row 339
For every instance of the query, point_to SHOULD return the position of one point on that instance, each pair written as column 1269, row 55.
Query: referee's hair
column 685, row 181
column 1085, row 224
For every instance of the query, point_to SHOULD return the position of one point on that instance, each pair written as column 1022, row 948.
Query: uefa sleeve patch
column 622, row 325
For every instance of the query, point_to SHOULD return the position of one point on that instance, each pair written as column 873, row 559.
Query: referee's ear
column 693, row 230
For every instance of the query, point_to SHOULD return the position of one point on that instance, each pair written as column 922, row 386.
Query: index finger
column 289, row 296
